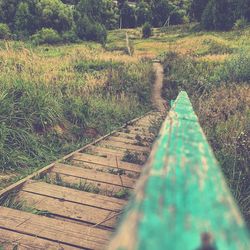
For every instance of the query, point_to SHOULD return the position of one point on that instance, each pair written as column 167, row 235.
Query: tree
column 146, row 30
column 197, row 8
column 4, row 31
column 89, row 17
column 143, row 13
column 54, row 14
column 161, row 12
column 23, row 19
column 218, row 15
column 8, row 11
column 128, row 16
column 243, row 9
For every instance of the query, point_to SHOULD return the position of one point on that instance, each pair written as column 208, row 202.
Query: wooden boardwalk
column 75, row 202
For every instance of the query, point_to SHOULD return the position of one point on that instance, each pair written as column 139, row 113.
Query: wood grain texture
column 182, row 194
column 49, row 229
column 112, row 163
column 74, row 196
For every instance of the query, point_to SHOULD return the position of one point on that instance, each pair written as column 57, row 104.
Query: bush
column 236, row 69
column 4, row 31
column 146, row 30
column 70, row 37
column 98, row 33
column 89, row 30
column 46, row 36
column 240, row 24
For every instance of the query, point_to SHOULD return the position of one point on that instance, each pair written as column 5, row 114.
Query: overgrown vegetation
column 215, row 73
column 132, row 157
column 54, row 99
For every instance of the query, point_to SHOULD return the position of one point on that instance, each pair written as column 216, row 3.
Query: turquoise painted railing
column 182, row 201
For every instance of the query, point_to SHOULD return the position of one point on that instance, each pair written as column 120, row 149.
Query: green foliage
column 243, row 9
column 223, row 14
column 39, row 121
column 146, row 30
column 122, row 194
column 143, row 13
column 90, row 30
column 236, row 69
column 128, row 16
column 46, row 36
column 4, row 31
column 240, row 24
column 131, row 157
column 217, row 15
column 219, row 92
column 197, row 8
column 70, row 37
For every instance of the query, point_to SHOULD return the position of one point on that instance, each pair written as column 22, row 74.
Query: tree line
column 73, row 20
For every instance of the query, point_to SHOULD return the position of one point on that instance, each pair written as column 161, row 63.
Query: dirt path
column 157, row 99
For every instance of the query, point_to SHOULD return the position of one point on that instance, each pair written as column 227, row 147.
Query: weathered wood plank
column 54, row 230
column 182, row 195
column 69, row 210
column 112, row 163
column 96, row 176
column 74, row 196
column 126, row 146
column 102, row 151
column 9, row 240
column 128, row 141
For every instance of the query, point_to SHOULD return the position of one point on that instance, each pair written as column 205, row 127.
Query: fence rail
column 182, row 201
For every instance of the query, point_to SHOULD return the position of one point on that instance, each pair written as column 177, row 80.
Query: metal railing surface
column 182, row 201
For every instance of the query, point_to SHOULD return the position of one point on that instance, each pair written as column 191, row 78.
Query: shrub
column 98, row 33
column 46, row 36
column 146, row 30
column 89, row 30
column 4, row 31
column 70, row 37
column 240, row 24
column 236, row 69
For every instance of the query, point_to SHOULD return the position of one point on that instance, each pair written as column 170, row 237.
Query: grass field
column 55, row 99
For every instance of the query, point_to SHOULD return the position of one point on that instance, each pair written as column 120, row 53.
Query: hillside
column 74, row 71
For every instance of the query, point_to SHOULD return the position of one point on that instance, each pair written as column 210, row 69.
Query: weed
column 11, row 201
column 83, row 185
column 122, row 194
column 116, row 171
column 132, row 158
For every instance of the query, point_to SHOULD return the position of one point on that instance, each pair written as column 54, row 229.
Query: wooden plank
column 128, row 141
column 126, row 146
column 11, row 239
column 182, row 194
column 69, row 210
column 102, row 151
column 131, row 131
column 100, row 188
column 112, row 163
column 59, row 231
column 100, row 177
column 74, row 196
column 132, row 136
